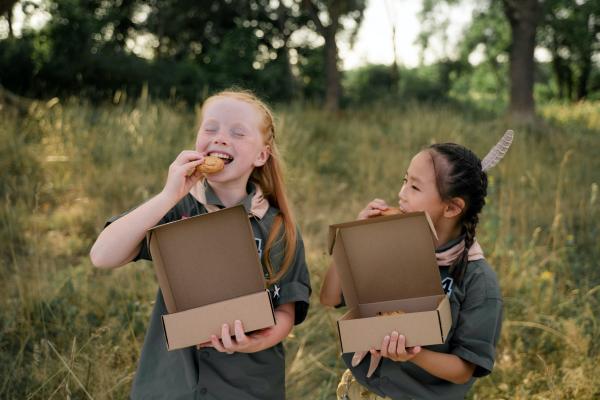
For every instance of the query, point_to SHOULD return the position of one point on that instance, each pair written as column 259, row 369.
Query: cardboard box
column 389, row 264
column 209, row 272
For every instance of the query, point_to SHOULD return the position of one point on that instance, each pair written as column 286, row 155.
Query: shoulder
column 481, row 282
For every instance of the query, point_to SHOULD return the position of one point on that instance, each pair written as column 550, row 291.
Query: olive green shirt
column 208, row 374
column 476, row 306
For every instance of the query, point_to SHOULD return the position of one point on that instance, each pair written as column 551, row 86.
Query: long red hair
column 270, row 179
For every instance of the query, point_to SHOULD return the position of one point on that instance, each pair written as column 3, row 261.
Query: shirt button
column 203, row 391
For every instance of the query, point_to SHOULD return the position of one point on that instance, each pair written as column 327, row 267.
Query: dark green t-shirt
column 476, row 306
column 208, row 374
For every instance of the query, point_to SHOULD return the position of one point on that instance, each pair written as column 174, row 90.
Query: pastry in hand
column 210, row 165
column 392, row 211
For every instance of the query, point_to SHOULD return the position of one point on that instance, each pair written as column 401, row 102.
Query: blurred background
column 97, row 98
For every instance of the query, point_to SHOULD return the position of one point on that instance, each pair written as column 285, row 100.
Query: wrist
column 168, row 198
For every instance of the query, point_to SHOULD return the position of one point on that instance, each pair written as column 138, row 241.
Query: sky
column 373, row 43
column 374, row 39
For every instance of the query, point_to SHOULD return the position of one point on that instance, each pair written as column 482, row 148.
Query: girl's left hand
column 242, row 343
column 393, row 347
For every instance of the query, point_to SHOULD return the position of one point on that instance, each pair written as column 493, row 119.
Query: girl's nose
column 401, row 193
column 220, row 138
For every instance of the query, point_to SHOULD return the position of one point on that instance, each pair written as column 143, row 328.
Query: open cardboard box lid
column 386, row 258
column 206, row 259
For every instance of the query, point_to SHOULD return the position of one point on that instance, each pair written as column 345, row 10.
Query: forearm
column 284, row 315
column 119, row 242
column 445, row 366
column 331, row 289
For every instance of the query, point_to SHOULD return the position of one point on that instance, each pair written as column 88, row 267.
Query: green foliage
column 67, row 329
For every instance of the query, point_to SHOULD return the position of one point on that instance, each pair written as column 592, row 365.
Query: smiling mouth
column 223, row 156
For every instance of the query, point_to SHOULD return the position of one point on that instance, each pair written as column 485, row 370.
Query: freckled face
column 419, row 191
column 230, row 129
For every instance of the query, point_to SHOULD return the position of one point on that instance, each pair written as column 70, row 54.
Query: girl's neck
column 230, row 193
column 447, row 231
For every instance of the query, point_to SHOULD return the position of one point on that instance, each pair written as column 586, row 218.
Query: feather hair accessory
column 498, row 151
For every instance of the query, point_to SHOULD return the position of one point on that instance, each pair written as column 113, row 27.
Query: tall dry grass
column 68, row 330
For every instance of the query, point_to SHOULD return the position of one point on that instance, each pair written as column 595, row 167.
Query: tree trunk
column 333, row 90
column 523, row 16
column 584, row 75
column 332, row 73
column 10, row 25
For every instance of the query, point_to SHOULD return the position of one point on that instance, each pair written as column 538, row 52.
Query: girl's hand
column 178, row 182
column 373, row 209
column 392, row 347
column 242, row 343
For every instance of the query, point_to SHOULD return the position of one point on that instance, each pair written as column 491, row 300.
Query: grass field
column 68, row 330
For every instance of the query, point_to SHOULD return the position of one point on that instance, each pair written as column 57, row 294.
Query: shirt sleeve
column 478, row 325
column 144, row 253
column 294, row 285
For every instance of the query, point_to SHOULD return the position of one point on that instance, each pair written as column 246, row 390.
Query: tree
column 326, row 16
column 570, row 32
column 6, row 10
column 523, row 16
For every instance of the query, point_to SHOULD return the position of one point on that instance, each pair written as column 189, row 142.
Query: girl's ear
column 263, row 156
column 454, row 207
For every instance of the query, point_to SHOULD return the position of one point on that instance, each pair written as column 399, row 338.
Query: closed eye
column 237, row 132
column 211, row 128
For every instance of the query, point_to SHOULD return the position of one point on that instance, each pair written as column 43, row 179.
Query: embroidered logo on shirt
column 276, row 291
column 447, row 285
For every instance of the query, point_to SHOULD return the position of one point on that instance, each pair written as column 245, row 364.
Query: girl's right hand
column 373, row 209
column 178, row 182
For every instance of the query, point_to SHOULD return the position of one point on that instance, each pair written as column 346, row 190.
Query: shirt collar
column 449, row 244
column 213, row 199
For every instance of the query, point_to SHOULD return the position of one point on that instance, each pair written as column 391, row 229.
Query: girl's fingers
column 401, row 349
column 378, row 204
column 393, row 349
column 240, row 336
column 413, row 351
column 358, row 357
column 187, row 156
column 190, row 167
column 226, row 338
column 385, row 346
column 374, row 212
column 217, row 344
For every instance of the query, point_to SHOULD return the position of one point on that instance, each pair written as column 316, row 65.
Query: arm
column 445, row 366
column 449, row 367
column 255, row 341
column 119, row 242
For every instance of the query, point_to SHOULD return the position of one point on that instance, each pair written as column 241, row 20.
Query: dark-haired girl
column 449, row 182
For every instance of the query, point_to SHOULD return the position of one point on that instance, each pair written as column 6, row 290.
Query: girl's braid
column 463, row 178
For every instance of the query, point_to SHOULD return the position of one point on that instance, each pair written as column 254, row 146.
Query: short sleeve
column 294, row 286
column 478, row 325
column 144, row 253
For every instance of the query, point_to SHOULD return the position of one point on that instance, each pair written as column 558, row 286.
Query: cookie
column 392, row 211
column 385, row 313
column 210, row 165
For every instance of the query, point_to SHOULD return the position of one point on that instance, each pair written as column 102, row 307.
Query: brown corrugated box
column 209, row 272
column 389, row 264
